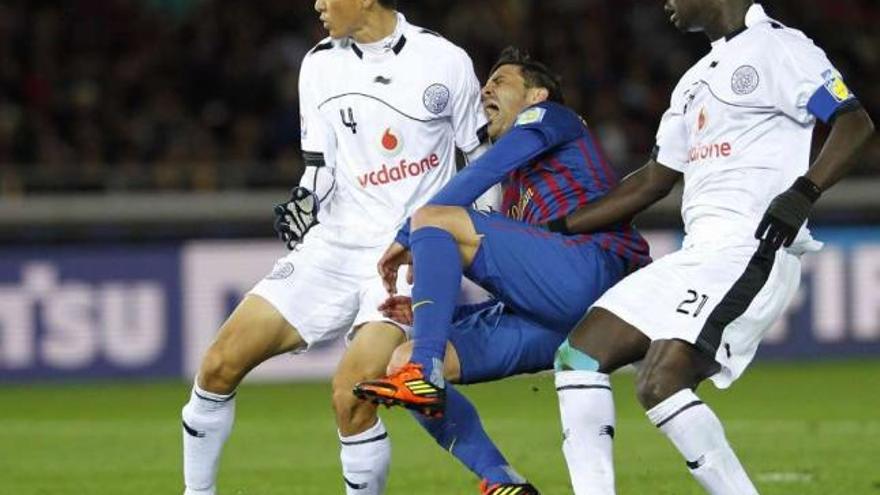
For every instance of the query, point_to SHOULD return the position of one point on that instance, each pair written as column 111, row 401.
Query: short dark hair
column 388, row 4
column 535, row 73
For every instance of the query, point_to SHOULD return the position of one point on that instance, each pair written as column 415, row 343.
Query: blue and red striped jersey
column 566, row 177
column 549, row 165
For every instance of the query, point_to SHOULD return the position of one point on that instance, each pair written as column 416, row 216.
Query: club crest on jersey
column 281, row 270
column 391, row 142
column 531, row 116
column 436, row 98
column 745, row 80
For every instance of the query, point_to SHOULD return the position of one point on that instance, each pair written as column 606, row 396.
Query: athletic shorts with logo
column 720, row 298
column 325, row 289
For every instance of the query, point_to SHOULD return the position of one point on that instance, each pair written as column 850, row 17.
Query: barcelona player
column 549, row 165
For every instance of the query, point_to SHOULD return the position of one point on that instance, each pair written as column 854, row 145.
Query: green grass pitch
column 806, row 429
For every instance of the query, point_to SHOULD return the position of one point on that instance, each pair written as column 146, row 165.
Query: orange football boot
column 408, row 388
column 507, row 489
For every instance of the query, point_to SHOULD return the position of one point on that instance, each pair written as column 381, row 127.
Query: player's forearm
column 849, row 132
column 635, row 193
column 319, row 180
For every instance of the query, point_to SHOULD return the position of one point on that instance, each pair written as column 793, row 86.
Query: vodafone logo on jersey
column 711, row 150
column 391, row 142
column 398, row 172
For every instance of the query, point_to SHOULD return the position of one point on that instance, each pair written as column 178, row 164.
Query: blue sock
column 437, row 271
column 460, row 432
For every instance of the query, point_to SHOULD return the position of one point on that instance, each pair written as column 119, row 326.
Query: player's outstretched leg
column 598, row 345
column 461, row 433
column 666, row 381
column 443, row 242
column 253, row 333
column 365, row 447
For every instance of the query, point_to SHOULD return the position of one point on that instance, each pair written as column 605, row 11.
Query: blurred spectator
column 107, row 95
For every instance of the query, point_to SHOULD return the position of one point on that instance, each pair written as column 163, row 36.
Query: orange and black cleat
column 507, row 489
column 408, row 388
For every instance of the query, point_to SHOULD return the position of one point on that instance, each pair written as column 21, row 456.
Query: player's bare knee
column 353, row 415
column 218, row 373
column 655, row 386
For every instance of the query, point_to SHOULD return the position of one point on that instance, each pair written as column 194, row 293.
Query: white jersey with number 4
column 740, row 123
column 386, row 118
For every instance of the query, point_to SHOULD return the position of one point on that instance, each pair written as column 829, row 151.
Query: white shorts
column 325, row 290
column 721, row 299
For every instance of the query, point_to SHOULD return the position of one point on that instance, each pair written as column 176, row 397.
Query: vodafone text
column 708, row 151
column 399, row 172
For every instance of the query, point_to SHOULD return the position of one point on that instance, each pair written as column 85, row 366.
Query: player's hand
column 399, row 309
column 787, row 213
column 295, row 217
column 395, row 256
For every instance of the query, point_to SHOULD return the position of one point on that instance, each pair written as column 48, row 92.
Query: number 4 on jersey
column 348, row 120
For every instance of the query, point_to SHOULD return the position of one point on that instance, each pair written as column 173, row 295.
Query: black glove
column 787, row 213
column 294, row 218
column 557, row 225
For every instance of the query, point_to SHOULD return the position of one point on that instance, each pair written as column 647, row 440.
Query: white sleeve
column 317, row 140
column 316, row 137
column 672, row 140
column 468, row 119
column 800, row 71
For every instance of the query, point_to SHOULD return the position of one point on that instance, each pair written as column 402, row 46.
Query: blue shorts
column 495, row 343
column 545, row 282
column 550, row 278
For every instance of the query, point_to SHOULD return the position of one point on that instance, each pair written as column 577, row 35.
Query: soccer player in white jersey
column 383, row 106
column 738, row 131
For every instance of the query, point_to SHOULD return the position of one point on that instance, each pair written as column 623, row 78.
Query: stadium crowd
column 117, row 95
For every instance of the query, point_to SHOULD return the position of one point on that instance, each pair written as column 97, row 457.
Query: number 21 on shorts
column 687, row 306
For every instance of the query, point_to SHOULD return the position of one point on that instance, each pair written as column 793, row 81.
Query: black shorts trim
column 737, row 299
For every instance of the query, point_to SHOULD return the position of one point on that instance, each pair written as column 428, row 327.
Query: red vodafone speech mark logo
column 391, row 142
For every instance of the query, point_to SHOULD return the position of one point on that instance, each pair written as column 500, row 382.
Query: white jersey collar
column 754, row 16
column 392, row 43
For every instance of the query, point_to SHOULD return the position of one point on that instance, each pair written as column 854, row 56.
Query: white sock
column 697, row 433
column 366, row 458
column 587, row 409
column 207, row 422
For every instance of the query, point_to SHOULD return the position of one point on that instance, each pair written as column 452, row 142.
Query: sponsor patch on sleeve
column 531, row 116
column 832, row 95
column 836, row 87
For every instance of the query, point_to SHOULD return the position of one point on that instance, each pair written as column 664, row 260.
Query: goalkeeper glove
column 295, row 217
